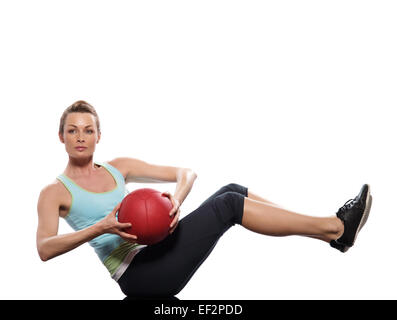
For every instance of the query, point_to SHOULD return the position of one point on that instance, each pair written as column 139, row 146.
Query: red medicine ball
column 149, row 214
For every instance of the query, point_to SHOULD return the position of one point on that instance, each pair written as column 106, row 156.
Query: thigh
column 163, row 269
column 234, row 187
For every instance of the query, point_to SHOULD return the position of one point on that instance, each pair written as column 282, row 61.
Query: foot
column 354, row 213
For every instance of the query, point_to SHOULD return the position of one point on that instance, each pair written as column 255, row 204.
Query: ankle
column 336, row 228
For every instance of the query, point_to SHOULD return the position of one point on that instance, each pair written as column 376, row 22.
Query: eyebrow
column 90, row 125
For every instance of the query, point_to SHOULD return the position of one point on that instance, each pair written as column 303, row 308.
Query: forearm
column 56, row 245
column 185, row 180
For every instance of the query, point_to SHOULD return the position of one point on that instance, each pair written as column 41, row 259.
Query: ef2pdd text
column 200, row 309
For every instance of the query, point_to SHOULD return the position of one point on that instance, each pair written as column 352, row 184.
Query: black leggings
column 163, row 269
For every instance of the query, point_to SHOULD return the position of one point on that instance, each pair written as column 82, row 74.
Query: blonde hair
column 79, row 106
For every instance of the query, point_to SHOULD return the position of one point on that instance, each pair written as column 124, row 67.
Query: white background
column 293, row 99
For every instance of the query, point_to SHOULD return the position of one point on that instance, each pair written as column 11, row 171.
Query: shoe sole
column 364, row 218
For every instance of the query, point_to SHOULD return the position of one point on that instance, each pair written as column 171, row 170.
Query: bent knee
column 229, row 207
column 235, row 187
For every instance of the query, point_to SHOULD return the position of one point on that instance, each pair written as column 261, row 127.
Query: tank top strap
column 68, row 184
column 114, row 171
column 75, row 189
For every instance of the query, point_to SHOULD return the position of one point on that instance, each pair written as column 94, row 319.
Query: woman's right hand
column 110, row 224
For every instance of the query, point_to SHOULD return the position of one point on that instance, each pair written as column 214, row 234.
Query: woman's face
column 80, row 131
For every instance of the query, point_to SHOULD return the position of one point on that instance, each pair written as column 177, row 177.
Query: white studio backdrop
column 293, row 99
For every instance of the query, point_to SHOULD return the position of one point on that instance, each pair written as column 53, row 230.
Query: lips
column 80, row 148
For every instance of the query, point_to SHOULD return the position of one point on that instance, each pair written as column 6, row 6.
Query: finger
column 175, row 220
column 175, row 207
column 125, row 225
column 127, row 235
column 172, row 212
column 173, row 229
column 116, row 208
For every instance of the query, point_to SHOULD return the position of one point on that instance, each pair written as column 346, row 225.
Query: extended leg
column 269, row 219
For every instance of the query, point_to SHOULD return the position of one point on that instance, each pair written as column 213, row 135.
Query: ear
column 61, row 138
column 99, row 137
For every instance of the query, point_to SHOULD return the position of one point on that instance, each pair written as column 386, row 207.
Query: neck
column 81, row 167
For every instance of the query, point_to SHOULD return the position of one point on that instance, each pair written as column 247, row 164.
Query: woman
column 88, row 195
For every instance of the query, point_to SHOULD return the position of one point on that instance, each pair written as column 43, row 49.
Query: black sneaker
column 354, row 213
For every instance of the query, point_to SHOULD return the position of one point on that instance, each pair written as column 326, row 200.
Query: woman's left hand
column 174, row 211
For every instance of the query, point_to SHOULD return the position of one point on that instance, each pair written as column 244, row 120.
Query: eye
column 70, row 131
column 90, row 131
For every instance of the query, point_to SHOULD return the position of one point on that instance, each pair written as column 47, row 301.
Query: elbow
column 186, row 173
column 191, row 173
column 44, row 256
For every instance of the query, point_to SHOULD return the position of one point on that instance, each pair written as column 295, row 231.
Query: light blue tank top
column 87, row 208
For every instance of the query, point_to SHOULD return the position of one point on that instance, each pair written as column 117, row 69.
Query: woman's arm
column 185, row 180
column 50, row 244
column 136, row 170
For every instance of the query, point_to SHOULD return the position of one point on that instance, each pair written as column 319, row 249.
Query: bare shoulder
column 127, row 164
column 51, row 191
column 54, row 194
column 120, row 164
